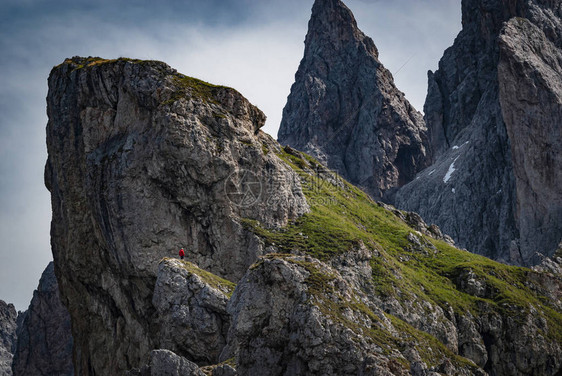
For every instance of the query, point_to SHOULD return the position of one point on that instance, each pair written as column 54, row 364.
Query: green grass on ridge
column 342, row 217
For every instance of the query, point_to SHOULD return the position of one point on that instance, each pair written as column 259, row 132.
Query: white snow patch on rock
column 450, row 171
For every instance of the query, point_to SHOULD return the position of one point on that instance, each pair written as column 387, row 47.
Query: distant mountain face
column 492, row 142
column 345, row 110
column 44, row 338
column 493, row 113
column 8, row 318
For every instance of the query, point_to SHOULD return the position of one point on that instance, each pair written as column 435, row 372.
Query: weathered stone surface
column 44, row 343
column 276, row 331
column 530, row 82
column 345, row 110
column 142, row 161
column 551, row 264
column 191, row 311
column 166, row 363
column 492, row 340
column 293, row 315
column 8, row 317
column 492, row 111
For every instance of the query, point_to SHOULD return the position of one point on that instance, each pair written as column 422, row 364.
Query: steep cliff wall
column 143, row 161
column 530, row 83
column 492, row 111
column 345, row 110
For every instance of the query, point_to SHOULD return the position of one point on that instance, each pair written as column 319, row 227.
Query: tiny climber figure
column 182, row 253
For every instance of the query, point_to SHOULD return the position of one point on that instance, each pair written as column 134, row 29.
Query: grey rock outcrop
column 166, row 363
column 551, row 264
column 8, row 318
column 496, row 342
column 44, row 337
column 294, row 315
column 493, row 114
column 143, row 160
column 417, row 223
column 345, row 110
column 191, row 310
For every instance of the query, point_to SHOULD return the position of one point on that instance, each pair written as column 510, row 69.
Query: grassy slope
column 342, row 216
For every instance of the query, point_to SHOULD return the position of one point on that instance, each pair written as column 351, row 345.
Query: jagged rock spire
column 345, row 109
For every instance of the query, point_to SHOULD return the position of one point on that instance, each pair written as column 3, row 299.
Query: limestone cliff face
column 44, row 338
column 345, row 110
column 290, row 269
column 143, row 161
column 8, row 318
column 192, row 306
column 492, row 111
column 530, row 84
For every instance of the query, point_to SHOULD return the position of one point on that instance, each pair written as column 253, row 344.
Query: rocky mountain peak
column 332, row 21
column 345, row 110
column 289, row 269
column 144, row 161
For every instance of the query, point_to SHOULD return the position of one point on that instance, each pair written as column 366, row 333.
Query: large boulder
column 191, row 310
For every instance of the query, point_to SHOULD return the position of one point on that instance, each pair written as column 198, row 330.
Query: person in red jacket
column 182, row 253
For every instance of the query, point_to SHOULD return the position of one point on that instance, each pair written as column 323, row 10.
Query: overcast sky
column 254, row 46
